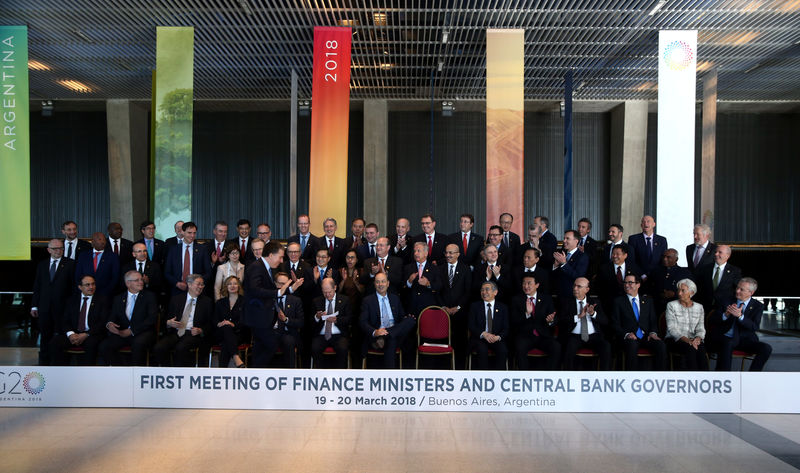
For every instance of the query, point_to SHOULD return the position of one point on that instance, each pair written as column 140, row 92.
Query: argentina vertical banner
column 15, row 179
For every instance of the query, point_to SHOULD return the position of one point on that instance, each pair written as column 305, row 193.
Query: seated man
column 488, row 327
column 734, row 325
column 384, row 322
column 190, row 318
column 533, row 320
column 83, row 325
column 132, row 323
column 331, row 324
column 582, row 321
column 664, row 279
column 289, row 318
column 635, row 323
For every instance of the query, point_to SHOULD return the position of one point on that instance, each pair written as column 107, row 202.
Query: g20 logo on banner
column 33, row 383
column 678, row 55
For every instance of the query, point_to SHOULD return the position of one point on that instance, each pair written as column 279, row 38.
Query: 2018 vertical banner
column 330, row 114
column 173, row 107
column 677, row 91
column 15, row 177
column 505, row 123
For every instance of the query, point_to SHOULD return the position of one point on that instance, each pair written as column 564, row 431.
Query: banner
column 330, row 119
column 398, row 390
column 174, row 92
column 15, row 177
column 505, row 127
column 677, row 90
column 568, row 151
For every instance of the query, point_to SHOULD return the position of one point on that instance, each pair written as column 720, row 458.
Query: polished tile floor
column 145, row 440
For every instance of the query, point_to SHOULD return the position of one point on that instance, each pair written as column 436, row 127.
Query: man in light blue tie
column 307, row 240
column 384, row 322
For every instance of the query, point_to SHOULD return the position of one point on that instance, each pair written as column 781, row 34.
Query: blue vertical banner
column 568, row 151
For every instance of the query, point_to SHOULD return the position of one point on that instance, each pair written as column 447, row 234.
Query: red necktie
column 187, row 262
column 533, row 312
column 116, row 248
column 330, row 246
column 219, row 249
column 430, row 245
column 619, row 274
column 380, row 261
column 82, row 322
column 96, row 259
column 244, row 248
column 465, row 243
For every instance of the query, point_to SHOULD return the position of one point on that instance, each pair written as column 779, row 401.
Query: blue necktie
column 303, row 243
column 149, row 249
column 729, row 333
column 386, row 317
column 639, row 333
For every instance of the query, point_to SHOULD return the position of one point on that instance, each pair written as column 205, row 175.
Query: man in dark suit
column 261, row 294
column 530, row 265
column 323, row 269
column 636, row 324
column 216, row 247
column 174, row 240
column 188, row 257
column 610, row 282
column 122, row 247
column 647, row 248
column 701, row 253
column 664, row 279
column 51, row 289
column 616, row 237
column 331, row 324
column 297, row 269
column 581, row 321
column 493, row 270
column 401, row 243
column 356, row 237
column 434, row 242
column 454, row 298
column 568, row 265
column 469, row 244
column 510, row 239
column 337, row 247
column 156, row 249
column 243, row 241
column 83, row 325
column 132, row 322
column 100, row 263
column 367, row 249
column 488, row 328
column 290, row 318
column 533, row 320
column 495, row 239
column 73, row 246
column 383, row 262
column 189, row 325
column 717, row 283
column 384, row 321
column 307, row 240
column 548, row 242
column 422, row 281
column 150, row 270
column 588, row 246
column 733, row 326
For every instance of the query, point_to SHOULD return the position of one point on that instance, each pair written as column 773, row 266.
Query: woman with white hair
column 686, row 328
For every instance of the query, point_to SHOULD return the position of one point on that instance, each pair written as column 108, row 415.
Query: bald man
column 100, row 263
column 717, row 282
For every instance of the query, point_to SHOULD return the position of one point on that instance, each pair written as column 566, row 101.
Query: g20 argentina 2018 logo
column 34, row 383
column 678, row 55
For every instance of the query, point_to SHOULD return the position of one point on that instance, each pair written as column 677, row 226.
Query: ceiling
column 245, row 50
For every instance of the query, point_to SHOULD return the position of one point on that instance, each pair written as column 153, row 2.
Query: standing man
column 385, row 263
column 384, row 321
column 469, row 244
column 73, row 246
column 132, row 323
column 615, row 238
column 150, row 270
column 102, row 264
column 717, row 283
column 297, row 269
column 488, row 327
column 635, row 323
column 189, row 325
column 647, row 247
column 122, row 247
column 337, row 247
column 261, row 295
column 569, row 265
column 664, row 279
column 456, row 278
column 367, row 250
column 264, row 232
column 588, row 245
column 422, row 281
column 492, row 269
column 435, row 242
column 401, row 242
column 174, row 240
column 83, row 325
column 701, row 253
column 189, row 257
column 610, row 281
column 495, row 239
column 306, row 239
column 357, row 233
column 548, row 242
column 217, row 245
column 510, row 239
column 243, row 241
column 155, row 248
column 530, row 265
column 51, row 289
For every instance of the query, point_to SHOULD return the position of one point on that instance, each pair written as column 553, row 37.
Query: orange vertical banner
column 330, row 114
column 505, row 120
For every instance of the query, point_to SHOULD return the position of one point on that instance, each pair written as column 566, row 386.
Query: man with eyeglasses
column 495, row 238
column 51, row 288
column 635, row 324
column 83, row 325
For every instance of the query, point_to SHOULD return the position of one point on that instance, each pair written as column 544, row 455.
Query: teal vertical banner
column 172, row 107
column 15, row 159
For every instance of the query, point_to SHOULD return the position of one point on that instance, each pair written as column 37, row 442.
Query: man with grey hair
column 701, row 252
column 132, row 323
column 717, row 282
column 336, row 246
column 189, row 321
column 733, row 326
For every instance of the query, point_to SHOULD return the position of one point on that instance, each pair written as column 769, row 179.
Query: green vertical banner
column 174, row 90
column 15, row 159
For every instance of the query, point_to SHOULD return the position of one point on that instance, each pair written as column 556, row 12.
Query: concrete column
column 128, row 166
column 709, row 151
column 376, row 163
column 628, row 165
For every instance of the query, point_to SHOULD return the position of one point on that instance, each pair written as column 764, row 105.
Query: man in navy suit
column 51, row 289
column 174, row 240
column 469, row 244
column 610, row 282
column 383, row 262
column 401, row 243
column 155, row 248
column 635, row 323
column 434, row 242
column 422, row 281
column 588, row 245
column 647, row 248
column 290, row 318
column 733, row 326
column 548, row 242
column 384, row 321
column 83, row 325
column 261, row 294
column 716, row 283
column 243, row 241
column 189, row 325
column 533, row 319
column 568, row 265
column 488, row 327
column 492, row 269
column 187, row 257
column 701, row 253
column 454, row 299
column 132, row 323
column 367, row 250
column 510, row 239
column 101, row 264
column 331, row 324
column 73, row 246
column 307, row 240
column 337, row 247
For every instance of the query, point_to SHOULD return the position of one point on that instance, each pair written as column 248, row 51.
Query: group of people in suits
column 509, row 301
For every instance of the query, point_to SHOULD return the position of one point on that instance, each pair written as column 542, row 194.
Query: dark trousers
column 264, row 346
column 723, row 346
column 180, row 347
column 596, row 342
column 459, row 337
column 338, row 342
column 139, row 343
column 395, row 338
column 46, row 333
column 690, row 359
column 288, row 342
column 60, row 343
column 229, row 339
column 528, row 342
column 481, row 348
column 631, row 347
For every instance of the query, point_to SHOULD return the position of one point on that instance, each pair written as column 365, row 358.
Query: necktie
column 465, row 243
column 187, row 264
column 533, row 312
column 382, row 264
column 505, row 239
column 53, row 267
column 280, row 302
column 131, row 304
column 419, row 270
column 116, row 248
column 82, row 322
column 649, row 248
column 187, row 312
column 219, row 249
column 430, row 245
column 729, row 333
column 303, row 243
column 321, row 274
column 149, row 244
column 328, row 323
column 716, row 278
column 584, row 324
column 619, row 274
column 452, row 274
column 371, row 250
column 69, row 250
column 698, row 252
column 96, row 260
column 141, row 268
column 489, row 318
column 639, row 333
column 386, row 319
column 583, row 241
column 330, row 246
column 243, row 249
